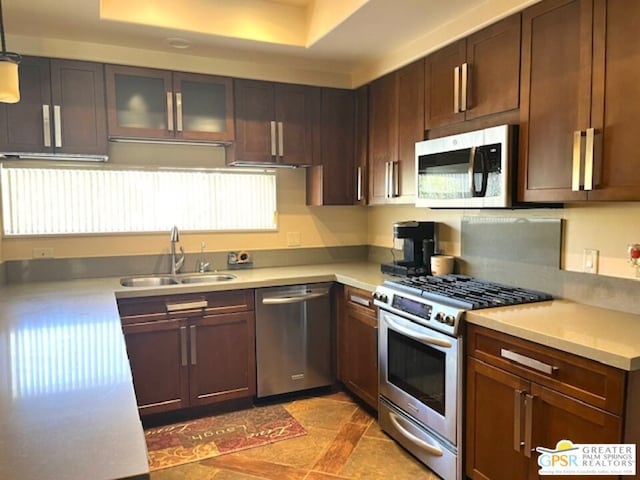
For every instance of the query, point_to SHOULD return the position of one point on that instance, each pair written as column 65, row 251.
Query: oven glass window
column 417, row 369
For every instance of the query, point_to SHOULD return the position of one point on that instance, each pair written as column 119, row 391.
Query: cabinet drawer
column 359, row 299
column 151, row 309
column 581, row 378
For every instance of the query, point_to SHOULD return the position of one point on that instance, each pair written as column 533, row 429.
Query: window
column 52, row 201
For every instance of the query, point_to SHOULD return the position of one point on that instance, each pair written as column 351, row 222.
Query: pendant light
column 9, row 84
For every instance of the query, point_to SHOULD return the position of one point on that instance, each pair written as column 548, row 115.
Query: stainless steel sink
column 152, row 281
column 207, row 278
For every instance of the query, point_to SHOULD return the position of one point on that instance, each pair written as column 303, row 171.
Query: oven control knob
column 440, row 317
column 450, row 320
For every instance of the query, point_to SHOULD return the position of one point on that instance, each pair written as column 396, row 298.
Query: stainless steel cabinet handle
column 386, row 179
column 575, row 174
column 46, row 125
column 281, row 139
column 528, row 361
column 57, row 126
column 175, row 307
column 194, row 354
column 517, row 421
column 183, row 346
column 463, row 88
column 416, row 336
column 588, row 159
column 528, row 424
column 359, row 184
column 179, row 111
column 293, row 299
column 273, row 139
column 359, row 300
column 395, row 183
column 433, row 450
column 456, row 90
column 170, row 111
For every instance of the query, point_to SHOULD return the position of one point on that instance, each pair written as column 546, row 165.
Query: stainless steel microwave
column 468, row 170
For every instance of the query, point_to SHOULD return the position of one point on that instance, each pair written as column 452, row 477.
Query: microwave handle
column 474, row 153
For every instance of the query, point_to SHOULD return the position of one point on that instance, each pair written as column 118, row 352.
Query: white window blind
column 50, row 201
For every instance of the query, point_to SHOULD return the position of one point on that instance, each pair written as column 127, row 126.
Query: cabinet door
column 410, row 125
column 222, row 358
column 255, row 121
column 383, row 135
column 332, row 182
column 493, row 62
column 557, row 417
column 159, row 364
column 79, row 111
column 494, row 427
column 297, row 114
column 555, row 96
column 616, row 98
column 140, row 102
column 204, row 107
column 440, row 90
column 358, row 354
column 22, row 124
column 361, row 145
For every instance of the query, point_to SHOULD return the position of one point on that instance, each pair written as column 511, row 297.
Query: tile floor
column 343, row 443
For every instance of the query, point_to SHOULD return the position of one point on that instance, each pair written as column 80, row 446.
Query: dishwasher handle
column 293, row 298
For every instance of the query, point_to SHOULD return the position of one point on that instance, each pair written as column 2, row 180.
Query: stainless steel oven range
column 420, row 348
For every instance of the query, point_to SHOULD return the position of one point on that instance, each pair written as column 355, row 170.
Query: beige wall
column 318, row 227
column 606, row 227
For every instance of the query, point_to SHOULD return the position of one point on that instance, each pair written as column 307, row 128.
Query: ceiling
column 341, row 36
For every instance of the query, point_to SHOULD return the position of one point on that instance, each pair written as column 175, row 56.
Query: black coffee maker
column 420, row 243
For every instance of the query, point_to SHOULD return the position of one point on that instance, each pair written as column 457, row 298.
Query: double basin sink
column 160, row 280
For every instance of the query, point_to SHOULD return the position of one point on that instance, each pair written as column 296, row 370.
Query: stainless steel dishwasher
column 293, row 338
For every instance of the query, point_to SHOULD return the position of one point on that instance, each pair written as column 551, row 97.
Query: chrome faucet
column 202, row 265
column 176, row 265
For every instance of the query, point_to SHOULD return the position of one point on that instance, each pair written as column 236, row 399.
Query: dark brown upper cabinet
column 475, row 76
column 276, row 124
column 61, row 110
column 396, row 123
column 333, row 180
column 145, row 103
column 579, row 101
column 361, row 145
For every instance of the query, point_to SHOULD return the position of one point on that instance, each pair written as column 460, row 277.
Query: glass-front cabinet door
column 204, row 107
column 147, row 103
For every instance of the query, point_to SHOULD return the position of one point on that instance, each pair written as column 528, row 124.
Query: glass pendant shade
column 9, row 84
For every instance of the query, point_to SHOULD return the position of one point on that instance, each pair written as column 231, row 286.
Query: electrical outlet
column 590, row 260
column 293, row 239
column 42, row 253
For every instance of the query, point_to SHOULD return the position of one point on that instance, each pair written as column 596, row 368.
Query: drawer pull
column 528, row 362
column 183, row 346
column 175, row 307
column 359, row 300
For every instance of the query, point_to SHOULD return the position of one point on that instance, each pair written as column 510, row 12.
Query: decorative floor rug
column 194, row 440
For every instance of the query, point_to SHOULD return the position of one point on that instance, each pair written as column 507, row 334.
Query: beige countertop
column 67, row 405
column 607, row 336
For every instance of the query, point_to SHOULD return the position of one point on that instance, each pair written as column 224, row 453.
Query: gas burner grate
column 466, row 292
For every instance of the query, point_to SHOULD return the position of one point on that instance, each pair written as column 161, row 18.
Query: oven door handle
column 433, row 450
column 416, row 336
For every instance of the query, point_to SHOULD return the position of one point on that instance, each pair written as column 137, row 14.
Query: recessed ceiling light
column 177, row 42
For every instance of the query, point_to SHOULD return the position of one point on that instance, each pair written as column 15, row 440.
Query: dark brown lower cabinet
column 190, row 350
column 358, row 345
column 513, row 408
